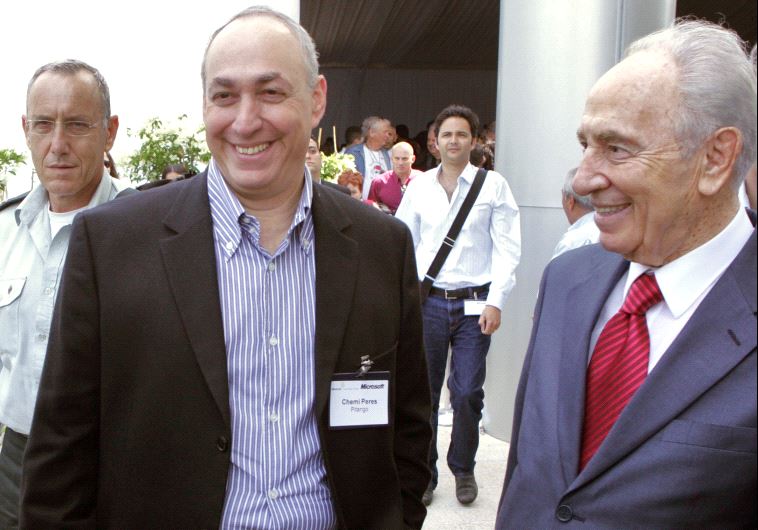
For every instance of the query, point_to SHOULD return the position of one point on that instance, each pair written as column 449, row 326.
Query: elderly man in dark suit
column 242, row 349
column 637, row 403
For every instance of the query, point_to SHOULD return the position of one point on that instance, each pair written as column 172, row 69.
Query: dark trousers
column 446, row 327
column 10, row 477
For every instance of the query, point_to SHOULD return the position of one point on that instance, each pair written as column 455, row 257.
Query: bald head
column 402, row 159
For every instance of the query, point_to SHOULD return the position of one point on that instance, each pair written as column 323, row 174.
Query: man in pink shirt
column 387, row 189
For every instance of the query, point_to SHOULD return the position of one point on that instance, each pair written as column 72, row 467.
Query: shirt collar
column 230, row 219
column 468, row 174
column 685, row 279
column 37, row 200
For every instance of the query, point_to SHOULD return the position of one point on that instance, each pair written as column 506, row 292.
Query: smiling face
column 69, row 167
column 258, row 108
column 645, row 192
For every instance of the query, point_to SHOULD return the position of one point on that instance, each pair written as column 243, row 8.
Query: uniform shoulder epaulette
column 12, row 201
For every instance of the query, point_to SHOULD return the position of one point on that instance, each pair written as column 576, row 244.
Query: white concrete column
column 551, row 53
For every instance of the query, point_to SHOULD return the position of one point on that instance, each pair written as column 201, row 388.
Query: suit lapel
column 190, row 264
column 336, row 274
column 720, row 334
column 584, row 302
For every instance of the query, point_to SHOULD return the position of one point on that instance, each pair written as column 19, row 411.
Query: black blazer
column 132, row 426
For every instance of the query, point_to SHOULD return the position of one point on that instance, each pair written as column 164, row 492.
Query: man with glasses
column 68, row 127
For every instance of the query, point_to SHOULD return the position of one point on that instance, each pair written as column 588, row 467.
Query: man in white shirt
column 581, row 216
column 68, row 127
column 637, row 403
column 463, row 308
column 372, row 158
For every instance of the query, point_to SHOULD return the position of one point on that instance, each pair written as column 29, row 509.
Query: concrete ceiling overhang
column 446, row 34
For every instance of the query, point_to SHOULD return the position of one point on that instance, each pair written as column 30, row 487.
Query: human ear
column 720, row 154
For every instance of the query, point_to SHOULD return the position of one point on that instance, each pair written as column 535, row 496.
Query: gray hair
column 307, row 46
column 73, row 67
column 716, row 82
column 568, row 191
column 369, row 123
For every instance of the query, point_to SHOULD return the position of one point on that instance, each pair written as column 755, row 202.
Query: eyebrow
column 265, row 77
column 46, row 117
column 607, row 136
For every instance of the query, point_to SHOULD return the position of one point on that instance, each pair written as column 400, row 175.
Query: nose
column 589, row 176
column 248, row 118
column 59, row 140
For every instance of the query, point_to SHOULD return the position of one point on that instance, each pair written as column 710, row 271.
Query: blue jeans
column 445, row 326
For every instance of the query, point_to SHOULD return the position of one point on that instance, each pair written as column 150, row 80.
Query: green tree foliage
column 10, row 159
column 333, row 165
column 162, row 146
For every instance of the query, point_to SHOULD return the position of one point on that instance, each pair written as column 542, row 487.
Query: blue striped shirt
column 277, row 477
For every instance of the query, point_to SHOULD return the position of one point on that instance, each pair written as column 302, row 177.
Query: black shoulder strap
column 449, row 242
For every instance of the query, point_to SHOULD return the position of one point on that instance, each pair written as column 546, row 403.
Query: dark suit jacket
column 682, row 454
column 132, row 426
column 341, row 189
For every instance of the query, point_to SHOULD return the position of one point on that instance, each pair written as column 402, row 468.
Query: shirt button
column 48, row 291
column 229, row 245
column 272, row 266
column 273, row 494
column 273, row 341
column 564, row 513
column 42, row 337
column 273, row 417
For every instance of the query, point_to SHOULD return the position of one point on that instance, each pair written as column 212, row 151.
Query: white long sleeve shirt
column 488, row 248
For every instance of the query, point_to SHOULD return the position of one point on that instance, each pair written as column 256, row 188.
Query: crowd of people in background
column 258, row 347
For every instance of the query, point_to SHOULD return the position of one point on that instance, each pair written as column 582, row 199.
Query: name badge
column 473, row 307
column 359, row 401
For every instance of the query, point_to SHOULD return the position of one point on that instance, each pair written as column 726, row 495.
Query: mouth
column 252, row 150
column 610, row 210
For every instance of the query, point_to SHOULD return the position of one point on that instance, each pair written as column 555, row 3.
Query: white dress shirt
column 684, row 282
column 584, row 231
column 488, row 248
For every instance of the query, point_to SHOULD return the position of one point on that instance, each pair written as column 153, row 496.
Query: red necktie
column 618, row 365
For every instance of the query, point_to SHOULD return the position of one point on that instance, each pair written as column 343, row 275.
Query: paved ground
column 446, row 513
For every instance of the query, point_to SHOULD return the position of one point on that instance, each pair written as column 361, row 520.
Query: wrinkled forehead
column 54, row 92
column 646, row 78
column 639, row 91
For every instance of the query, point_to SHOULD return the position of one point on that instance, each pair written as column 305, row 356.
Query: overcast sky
column 148, row 51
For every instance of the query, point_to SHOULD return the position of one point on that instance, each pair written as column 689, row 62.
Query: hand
column 490, row 320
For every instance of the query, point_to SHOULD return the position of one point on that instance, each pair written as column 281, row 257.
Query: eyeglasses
column 71, row 128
